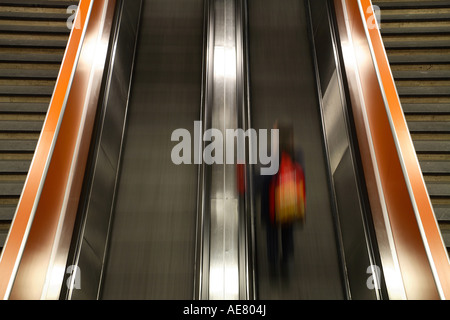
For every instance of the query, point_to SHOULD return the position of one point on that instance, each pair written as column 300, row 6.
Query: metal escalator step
column 420, row 74
column 7, row 212
column 61, row 27
column 429, row 126
column 29, row 73
column 3, row 235
column 395, row 42
column 418, row 56
column 442, row 213
column 11, row 188
column 421, row 108
column 412, row 4
column 40, row 3
column 421, row 27
column 433, row 14
column 31, row 55
column 35, row 13
column 17, row 145
column 421, row 71
column 433, row 146
column 446, row 237
column 435, row 166
column 33, row 40
column 445, row 232
column 438, row 188
column 20, row 125
column 10, row 107
column 423, row 91
column 27, row 90
column 14, row 166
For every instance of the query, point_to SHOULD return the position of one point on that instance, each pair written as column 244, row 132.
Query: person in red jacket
column 283, row 202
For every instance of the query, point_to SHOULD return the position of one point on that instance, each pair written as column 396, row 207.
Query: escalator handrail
column 33, row 264
column 26, row 208
column 423, row 209
column 406, row 228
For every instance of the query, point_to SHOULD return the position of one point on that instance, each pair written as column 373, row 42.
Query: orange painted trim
column 413, row 173
column 23, row 218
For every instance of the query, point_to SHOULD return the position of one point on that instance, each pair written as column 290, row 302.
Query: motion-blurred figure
column 283, row 202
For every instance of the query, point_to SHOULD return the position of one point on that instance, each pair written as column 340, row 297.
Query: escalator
column 138, row 203
column 152, row 248
column 416, row 35
column 283, row 89
column 33, row 37
column 151, row 229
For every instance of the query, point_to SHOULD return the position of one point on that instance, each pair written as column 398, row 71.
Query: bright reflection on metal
column 225, row 62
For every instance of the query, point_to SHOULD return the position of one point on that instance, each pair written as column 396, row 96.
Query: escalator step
column 26, row 90
column 423, row 90
column 446, row 236
column 420, row 74
column 3, row 234
column 20, row 126
column 7, row 212
column 436, row 166
column 17, row 145
column 442, row 213
column 14, row 166
column 420, row 4
column 421, row 108
column 414, row 15
column 40, row 3
column 433, row 146
column 438, row 188
column 419, row 56
column 422, row 27
column 34, row 13
column 31, row 55
column 30, row 73
column 33, row 40
column 9, row 107
column 35, row 27
column 429, row 126
column 11, row 188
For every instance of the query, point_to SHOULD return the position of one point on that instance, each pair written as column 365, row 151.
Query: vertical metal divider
column 372, row 245
column 99, row 189
column 337, row 223
column 203, row 220
column 248, row 215
column 224, row 235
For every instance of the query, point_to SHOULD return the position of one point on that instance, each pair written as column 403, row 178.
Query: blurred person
column 283, row 202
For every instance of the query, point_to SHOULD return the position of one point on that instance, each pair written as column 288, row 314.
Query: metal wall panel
column 89, row 248
column 359, row 257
